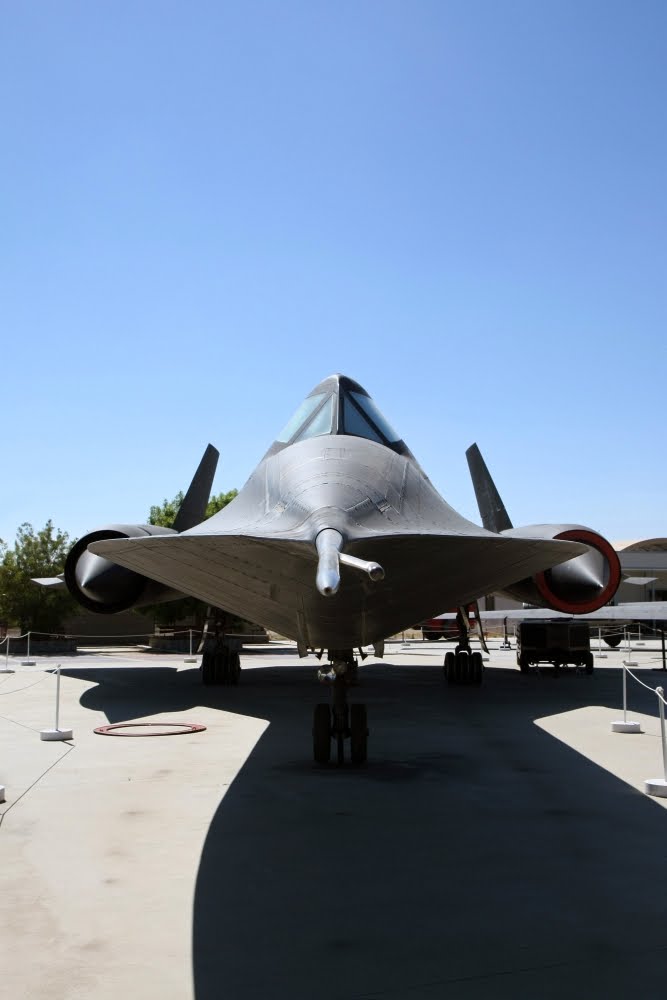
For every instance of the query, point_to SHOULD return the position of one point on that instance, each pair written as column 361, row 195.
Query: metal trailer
column 439, row 628
column 556, row 642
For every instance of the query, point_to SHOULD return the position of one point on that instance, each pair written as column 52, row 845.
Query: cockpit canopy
column 339, row 405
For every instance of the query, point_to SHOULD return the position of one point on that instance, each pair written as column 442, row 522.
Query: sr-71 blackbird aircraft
column 337, row 541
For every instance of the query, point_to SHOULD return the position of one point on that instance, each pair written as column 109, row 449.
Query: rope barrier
column 97, row 635
column 15, row 637
column 25, row 687
column 652, row 786
column 647, row 686
column 110, row 635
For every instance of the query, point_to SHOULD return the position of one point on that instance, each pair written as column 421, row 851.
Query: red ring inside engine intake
column 607, row 552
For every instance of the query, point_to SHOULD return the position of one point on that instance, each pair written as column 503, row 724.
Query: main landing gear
column 220, row 661
column 220, row 664
column 463, row 666
column 340, row 721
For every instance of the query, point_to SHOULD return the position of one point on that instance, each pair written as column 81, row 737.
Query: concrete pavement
column 497, row 844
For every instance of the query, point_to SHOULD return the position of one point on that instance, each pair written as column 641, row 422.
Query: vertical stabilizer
column 491, row 508
column 193, row 509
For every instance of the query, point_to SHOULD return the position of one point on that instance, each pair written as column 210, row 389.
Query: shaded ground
column 475, row 856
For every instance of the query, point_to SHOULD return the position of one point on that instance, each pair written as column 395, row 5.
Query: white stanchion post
column 625, row 726
column 629, row 662
column 6, row 669
column 57, row 733
column 28, row 662
column 190, row 658
column 658, row 786
column 601, row 655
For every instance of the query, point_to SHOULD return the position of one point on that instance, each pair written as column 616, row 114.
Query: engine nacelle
column 575, row 587
column 102, row 586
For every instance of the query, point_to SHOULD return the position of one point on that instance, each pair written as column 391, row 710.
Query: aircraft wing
column 633, row 611
column 270, row 577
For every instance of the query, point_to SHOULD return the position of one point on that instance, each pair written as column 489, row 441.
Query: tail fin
column 193, row 508
column 491, row 508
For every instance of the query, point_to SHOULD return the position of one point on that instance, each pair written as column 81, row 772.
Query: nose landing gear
column 340, row 721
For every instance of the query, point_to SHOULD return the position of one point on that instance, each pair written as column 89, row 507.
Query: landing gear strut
column 340, row 721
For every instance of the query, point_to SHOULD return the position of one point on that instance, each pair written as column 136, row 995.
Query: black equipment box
column 556, row 642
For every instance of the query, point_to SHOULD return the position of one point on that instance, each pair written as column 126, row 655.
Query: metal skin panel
column 257, row 557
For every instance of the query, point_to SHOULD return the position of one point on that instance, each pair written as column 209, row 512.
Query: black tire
column 613, row 640
column 233, row 666
column 463, row 673
column 476, row 667
column 221, row 665
column 431, row 636
column 322, row 734
column 207, row 668
column 589, row 663
column 524, row 663
column 450, row 666
column 358, row 734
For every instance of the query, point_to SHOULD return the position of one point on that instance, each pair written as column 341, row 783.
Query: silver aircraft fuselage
column 259, row 556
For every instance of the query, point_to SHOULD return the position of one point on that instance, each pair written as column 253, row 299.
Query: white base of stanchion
column 630, row 663
column 2, row 793
column 6, row 670
column 600, row 656
column 656, row 786
column 28, row 663
column 626, row 727
column 56, row 734
column 190, row 659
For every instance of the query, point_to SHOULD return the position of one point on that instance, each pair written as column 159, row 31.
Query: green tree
column 22, row 602
column 164, row 514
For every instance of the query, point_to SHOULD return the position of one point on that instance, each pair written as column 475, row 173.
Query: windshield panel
column 369, row 407
column 305, row 411
column 356, row 424
column 321, row 422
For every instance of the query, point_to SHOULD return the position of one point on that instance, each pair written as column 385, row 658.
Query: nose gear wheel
column 340, row 721
column 322, row 734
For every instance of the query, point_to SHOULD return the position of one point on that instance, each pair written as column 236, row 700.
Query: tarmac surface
column 498, row 844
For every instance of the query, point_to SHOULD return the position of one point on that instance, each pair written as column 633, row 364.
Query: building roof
column 643, row 545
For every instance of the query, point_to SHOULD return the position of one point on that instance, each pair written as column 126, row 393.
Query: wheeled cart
column 557, row 642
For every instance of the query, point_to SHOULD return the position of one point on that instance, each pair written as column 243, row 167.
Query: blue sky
column 206, row 208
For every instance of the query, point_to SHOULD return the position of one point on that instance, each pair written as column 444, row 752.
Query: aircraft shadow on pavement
column 474, row 856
